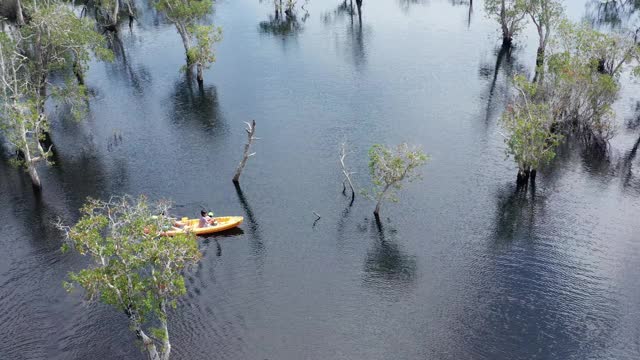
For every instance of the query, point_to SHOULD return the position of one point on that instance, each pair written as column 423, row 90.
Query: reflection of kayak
column 191, row 225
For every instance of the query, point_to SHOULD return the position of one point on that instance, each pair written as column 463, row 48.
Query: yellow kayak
column 191, row 225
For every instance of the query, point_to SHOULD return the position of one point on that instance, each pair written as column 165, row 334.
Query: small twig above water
column 317, row 219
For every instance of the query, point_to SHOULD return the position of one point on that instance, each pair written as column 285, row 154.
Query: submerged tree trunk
column 359, row 6
column 199, row 67
column 251, row 129
column 523, row 177
column 33, row 173
column 376, row 212
column 532, row 176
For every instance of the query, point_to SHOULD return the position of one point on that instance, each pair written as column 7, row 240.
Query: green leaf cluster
column 206, row 36
column 581, row 79
column 529, row 136
column 390, row 167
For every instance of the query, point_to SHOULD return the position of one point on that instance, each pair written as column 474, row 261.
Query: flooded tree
column 582, row 79
column 285, row 20
column 202, row 53
column 186, row 15
column 134, row 268
column 545, row 15
column 529, row 136
column 510, row 14
column 390, row 168
column 20, row 120
column 108, row 12
column 57, row 40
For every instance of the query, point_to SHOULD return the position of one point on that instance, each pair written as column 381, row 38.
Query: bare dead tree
column 347, row 174
column 251, row 129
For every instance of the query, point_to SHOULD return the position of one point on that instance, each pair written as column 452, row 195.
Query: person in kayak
column 212, row 220
column 204, row 219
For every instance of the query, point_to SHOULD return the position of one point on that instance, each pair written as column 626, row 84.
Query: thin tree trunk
column 116, row 11
column 376, row 212
column 152, row 351
column 347, row 174
column 186, row 41
column 19, row 15
column 523, row 177
column 506, row 34
column 251, row 129
column 539, row 73
column 31, row 169
column 166, row 345
column 532, row 176
column 199, row 67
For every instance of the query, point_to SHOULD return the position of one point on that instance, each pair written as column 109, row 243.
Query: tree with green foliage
column 20, row 121
column 510, row 14
column 611, row 51
column 201, row 54
column 390, row 167
column 529, row 136
column 582, row 78
column 545, row 15
column 108, row 12
column 134, row 268
column 185, row 15
column 57, row 40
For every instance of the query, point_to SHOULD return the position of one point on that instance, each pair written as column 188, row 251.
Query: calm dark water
column 464, row 267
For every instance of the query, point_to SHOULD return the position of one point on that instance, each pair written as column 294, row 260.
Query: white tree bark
column 251, row 129
column 19, row 15
column 347, row 174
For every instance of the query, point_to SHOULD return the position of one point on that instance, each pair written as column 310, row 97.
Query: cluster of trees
column 50, row 37
column 54, row 36
column 574, row 87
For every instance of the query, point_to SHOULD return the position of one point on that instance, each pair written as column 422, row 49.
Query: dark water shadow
column 517, row 209
column 254, row 231
column 386, row 265
column 357, row 35
column 196, row 107
column 507, row 64
column 221, row 236
column 139, row 78
column 466, row 3
column 407, row 5
column 341, row 225
column 612, row 14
